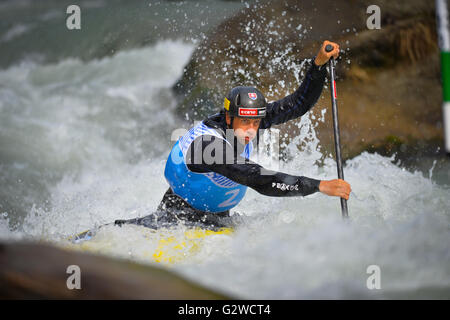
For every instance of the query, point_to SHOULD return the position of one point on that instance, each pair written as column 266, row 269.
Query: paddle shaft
column 337, row 141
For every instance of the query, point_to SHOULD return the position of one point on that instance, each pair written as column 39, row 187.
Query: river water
column 84, row 139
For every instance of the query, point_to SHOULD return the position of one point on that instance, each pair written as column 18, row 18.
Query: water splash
column 92, row 129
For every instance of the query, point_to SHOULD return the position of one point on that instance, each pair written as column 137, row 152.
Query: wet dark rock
column 38, row 271
column 388, row 79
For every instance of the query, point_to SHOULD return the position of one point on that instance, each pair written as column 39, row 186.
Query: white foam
column 91, row 122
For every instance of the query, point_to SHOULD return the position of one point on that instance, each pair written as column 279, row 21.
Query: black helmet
column 245, row 102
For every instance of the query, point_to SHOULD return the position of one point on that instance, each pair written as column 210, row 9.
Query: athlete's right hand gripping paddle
column 337, row 143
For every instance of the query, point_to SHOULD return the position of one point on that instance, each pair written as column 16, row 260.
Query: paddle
column 337, row 143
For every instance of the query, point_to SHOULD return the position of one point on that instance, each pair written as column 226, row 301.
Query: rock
column 388, row 80
column 38, row 271
column 260, row 46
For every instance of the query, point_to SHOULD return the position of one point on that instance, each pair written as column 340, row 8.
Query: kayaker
column 209, row 170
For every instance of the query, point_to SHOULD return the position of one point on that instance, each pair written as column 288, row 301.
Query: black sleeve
column 210, row 154
column 298, row 103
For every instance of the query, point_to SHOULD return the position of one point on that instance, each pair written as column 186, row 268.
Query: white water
column 94, row 136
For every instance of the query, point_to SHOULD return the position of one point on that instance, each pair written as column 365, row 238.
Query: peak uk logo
column 248, row 112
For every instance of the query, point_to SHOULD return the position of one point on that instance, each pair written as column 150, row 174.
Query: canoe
column 172, row 245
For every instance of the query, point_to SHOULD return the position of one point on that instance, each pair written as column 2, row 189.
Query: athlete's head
column 244, row 109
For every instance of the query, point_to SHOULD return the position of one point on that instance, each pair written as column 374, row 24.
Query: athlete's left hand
column 323, row 56
column 336, row 188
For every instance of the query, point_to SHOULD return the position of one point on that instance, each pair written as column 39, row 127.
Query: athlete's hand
column 337, row 188
column 323, row 56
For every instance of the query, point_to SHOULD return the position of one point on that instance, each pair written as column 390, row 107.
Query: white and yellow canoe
column 164, row 245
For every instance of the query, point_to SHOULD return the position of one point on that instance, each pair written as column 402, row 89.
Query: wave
column 77, row 118
column 38, row 28
column 84, row 143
